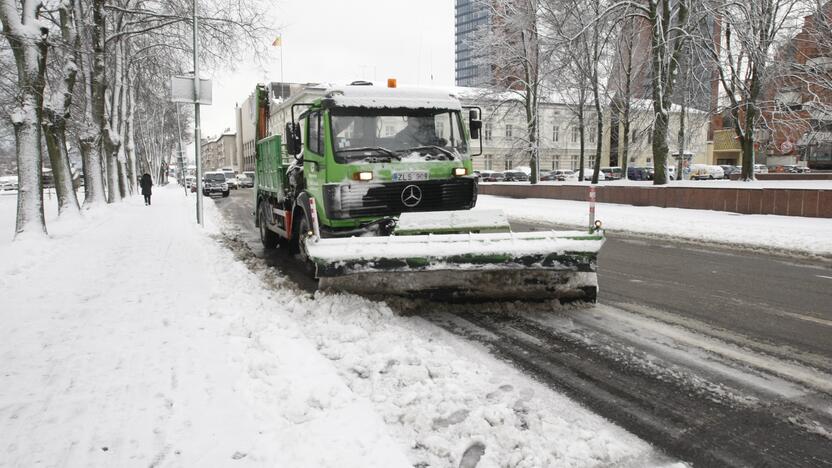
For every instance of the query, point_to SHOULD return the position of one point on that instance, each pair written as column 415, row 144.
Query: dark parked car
column 640, row 173
column 492, row 177
column 515, row 176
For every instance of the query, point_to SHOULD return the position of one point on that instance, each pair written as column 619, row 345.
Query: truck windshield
column 400, row 134
column 215, row 177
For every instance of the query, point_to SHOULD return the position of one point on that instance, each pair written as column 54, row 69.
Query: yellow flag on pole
column 278, row 41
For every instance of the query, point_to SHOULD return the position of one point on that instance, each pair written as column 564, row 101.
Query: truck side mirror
column 293, row 142
column 474, row 124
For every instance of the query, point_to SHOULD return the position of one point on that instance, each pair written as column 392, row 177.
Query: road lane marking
column 821, row 276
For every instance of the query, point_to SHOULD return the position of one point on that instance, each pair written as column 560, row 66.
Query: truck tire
column 268, row 237
column 303, row 255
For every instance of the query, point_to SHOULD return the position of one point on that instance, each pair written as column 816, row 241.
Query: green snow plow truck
column 372, row 187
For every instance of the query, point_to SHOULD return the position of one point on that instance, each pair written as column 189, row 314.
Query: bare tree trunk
column 29, row 47
column 54, row 135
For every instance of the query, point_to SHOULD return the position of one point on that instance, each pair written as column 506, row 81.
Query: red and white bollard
column 592, row 225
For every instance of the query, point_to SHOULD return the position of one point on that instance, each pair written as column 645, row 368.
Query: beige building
column 220, row 152
column 640, row 145
column 559, row 136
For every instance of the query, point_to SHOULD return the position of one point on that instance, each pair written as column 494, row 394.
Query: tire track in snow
column 681, row 410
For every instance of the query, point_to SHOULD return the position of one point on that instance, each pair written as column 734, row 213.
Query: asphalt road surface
column 719, row 357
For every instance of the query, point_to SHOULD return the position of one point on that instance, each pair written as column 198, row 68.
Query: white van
column 706, row 172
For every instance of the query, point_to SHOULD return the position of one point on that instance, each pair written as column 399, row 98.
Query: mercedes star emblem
column 411, row 196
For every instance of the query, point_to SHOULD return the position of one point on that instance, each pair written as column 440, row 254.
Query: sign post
column 196, row 91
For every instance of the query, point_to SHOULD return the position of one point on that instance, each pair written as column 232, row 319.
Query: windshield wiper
column 442, row 150
column 379, row 149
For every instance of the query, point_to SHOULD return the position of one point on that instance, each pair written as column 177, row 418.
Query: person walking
column 146, row 183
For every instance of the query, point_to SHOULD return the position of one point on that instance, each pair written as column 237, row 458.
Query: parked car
column 706, row 172
column 8, row 183
column 760, row 169
column 613, row 173
column 245, row 181
column 491, row 176
column 190, row 182
column 728, row 170
column 588, row 174
column 215, row 183
column 515, row 176
column 790, row 169
column 231, row 179
column 639, row 173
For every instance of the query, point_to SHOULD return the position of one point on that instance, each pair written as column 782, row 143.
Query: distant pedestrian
column 146, row 183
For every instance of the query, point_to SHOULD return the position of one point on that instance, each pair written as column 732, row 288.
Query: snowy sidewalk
column 138, row 341
column 784, row 233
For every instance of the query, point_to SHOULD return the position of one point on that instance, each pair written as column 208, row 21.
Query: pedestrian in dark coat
column 146, row 183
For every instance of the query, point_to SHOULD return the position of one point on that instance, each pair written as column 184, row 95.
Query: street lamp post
column 197, row 136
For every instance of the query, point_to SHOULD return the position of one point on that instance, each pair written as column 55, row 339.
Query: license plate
column 409, row 175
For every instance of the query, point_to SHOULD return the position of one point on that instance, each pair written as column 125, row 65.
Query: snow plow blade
column 534, row 266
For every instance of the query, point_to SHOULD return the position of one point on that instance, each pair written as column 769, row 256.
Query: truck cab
column 365, row 155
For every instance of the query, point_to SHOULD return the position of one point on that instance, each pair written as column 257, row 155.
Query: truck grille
column 385, row 199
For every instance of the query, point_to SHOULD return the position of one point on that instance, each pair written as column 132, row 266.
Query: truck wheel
column 268, row 237
column 303, row 255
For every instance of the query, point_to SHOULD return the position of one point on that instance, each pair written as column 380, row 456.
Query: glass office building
column 471, row 17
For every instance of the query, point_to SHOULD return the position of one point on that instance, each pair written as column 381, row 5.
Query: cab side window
column 315, row 138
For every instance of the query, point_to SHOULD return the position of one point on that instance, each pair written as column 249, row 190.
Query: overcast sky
column 340, row 41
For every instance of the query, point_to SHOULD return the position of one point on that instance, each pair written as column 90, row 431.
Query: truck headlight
column 364, row 175
column 460, row 171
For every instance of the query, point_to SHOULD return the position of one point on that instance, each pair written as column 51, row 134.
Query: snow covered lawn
column 786, row 233
column 136, row 339
column 757, row 184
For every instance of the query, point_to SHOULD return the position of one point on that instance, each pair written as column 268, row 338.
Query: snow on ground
column 757, row 184
column 138, row 340
column 786, row 233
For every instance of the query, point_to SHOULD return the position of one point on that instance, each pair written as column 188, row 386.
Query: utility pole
column 197, row 136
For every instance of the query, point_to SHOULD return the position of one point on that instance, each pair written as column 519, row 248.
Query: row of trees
column 92, row 78
column 605, row 56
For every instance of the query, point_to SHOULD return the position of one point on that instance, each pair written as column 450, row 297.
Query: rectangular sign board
column 182, row 90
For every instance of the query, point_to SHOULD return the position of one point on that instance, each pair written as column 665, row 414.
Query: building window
column 488, row 161
column 508, row 130
column 592, row 135
column 576, row 134
column 508, row 163
column 573, row 162
column 556, row 133
column 389, row 130
column 556, row 162
column 649, row 136
column 488, row 131
column 635, row 136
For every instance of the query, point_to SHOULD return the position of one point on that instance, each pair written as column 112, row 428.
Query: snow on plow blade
column 463, row 267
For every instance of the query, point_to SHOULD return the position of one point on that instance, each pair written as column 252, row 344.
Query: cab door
column 314, row 167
